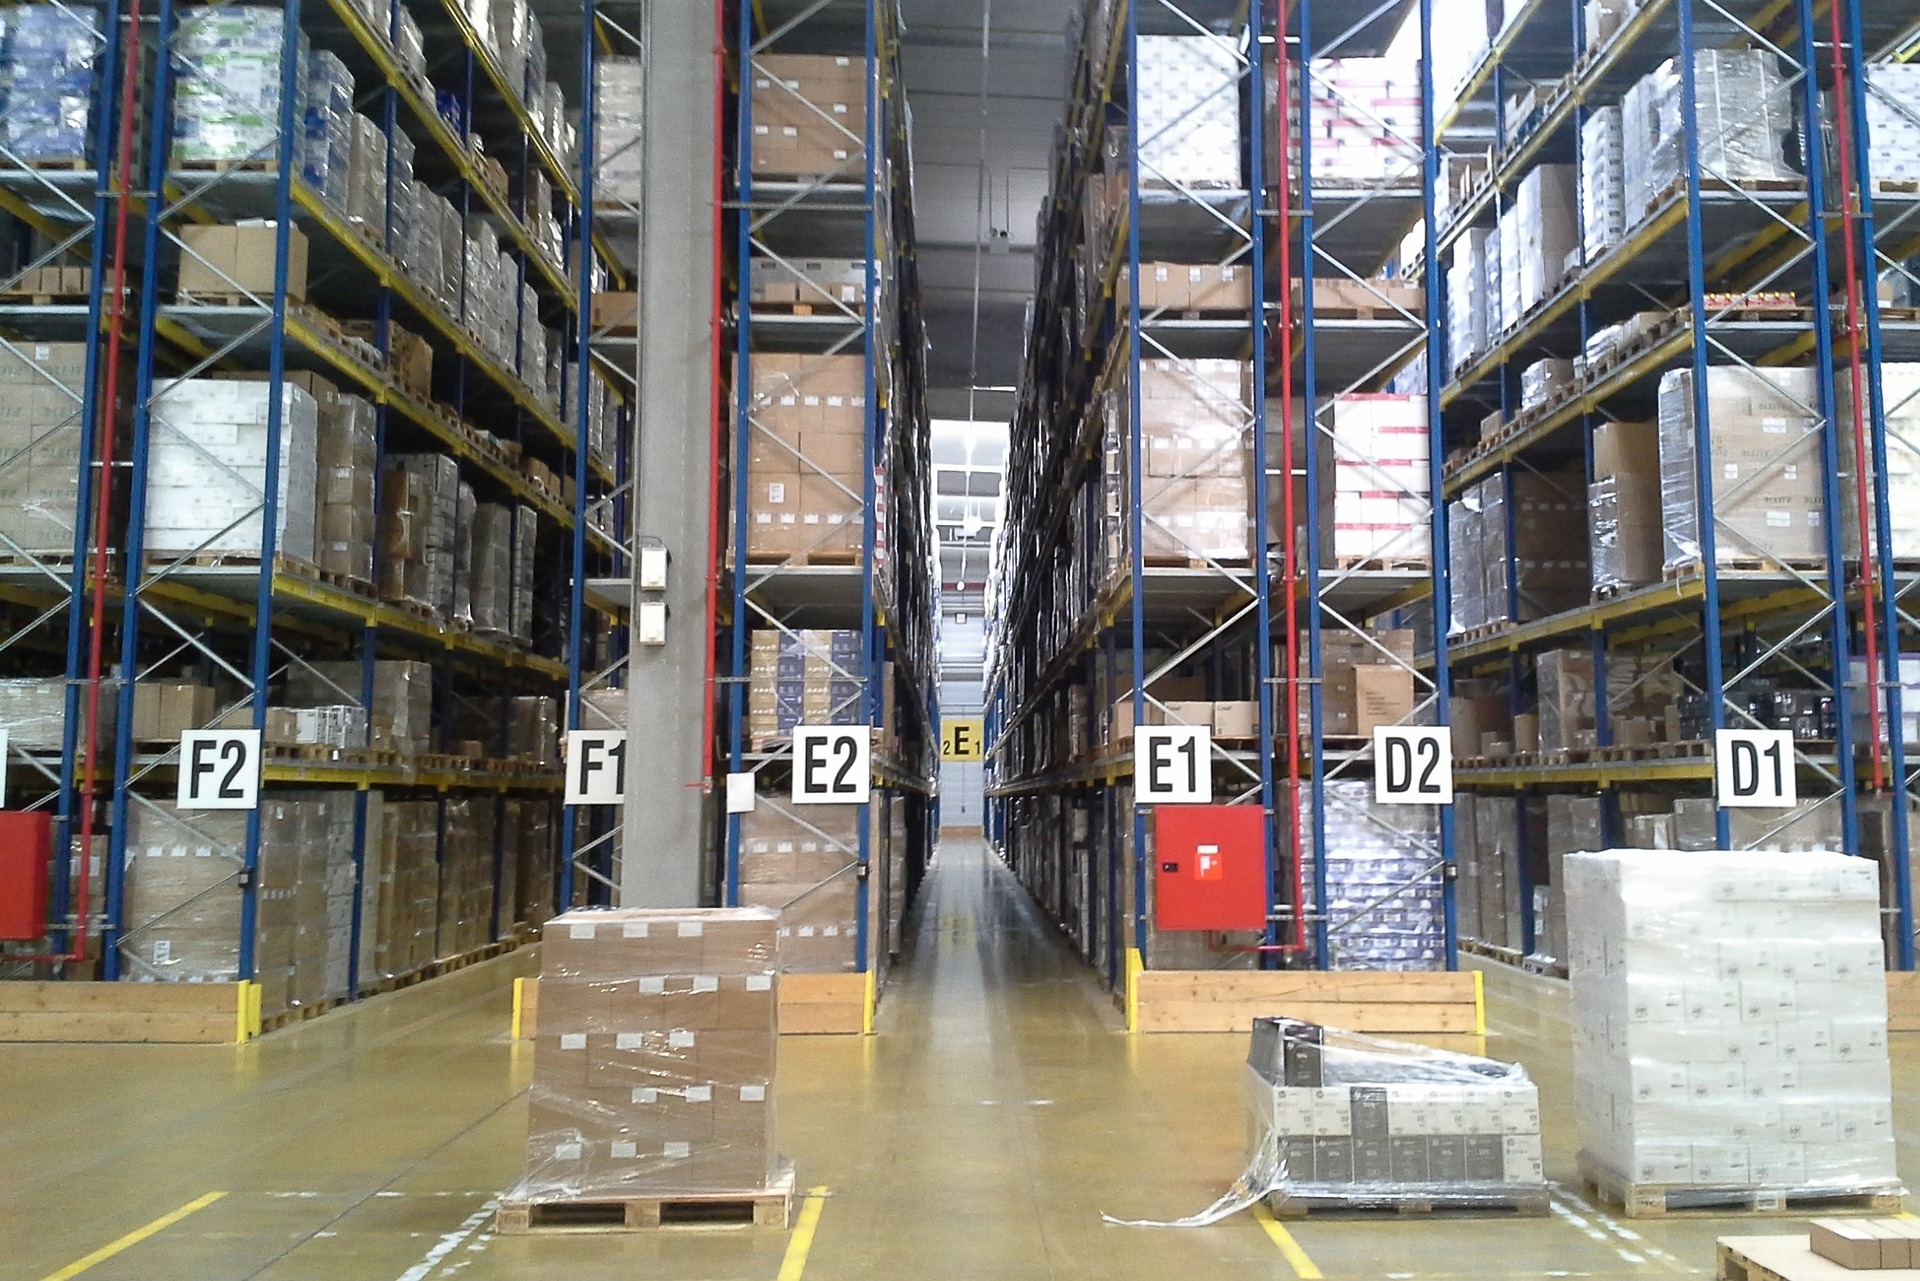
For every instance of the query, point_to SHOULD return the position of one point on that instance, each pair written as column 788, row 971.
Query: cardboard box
column 221, row 261
column 617, row 313
column 1236, row 719
column 1360, row 698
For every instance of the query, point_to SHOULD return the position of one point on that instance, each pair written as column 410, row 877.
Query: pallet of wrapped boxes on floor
column 804, row 863
column 1730, row 1021
column 653, row 1069
column 1345, row 1121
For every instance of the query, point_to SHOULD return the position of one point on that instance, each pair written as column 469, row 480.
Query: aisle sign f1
column 1412, row 765
column 596, row 767
column 1753, row 769
column 832, row 764
column 1173, row 765
column 219, row 769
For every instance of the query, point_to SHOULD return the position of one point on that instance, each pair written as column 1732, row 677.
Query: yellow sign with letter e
column 963, row 738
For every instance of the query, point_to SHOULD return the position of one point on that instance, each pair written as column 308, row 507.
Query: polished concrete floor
column 978, row 1137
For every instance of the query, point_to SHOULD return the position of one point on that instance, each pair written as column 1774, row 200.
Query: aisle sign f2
column 1753, row 769
column 832, row 764
column 219, row 769
column 1412, row 765
column 596, row 767
column 1173, row 765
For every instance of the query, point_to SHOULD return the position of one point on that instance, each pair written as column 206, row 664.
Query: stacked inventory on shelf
column 1649, row 325
column 1219, row 485
column 363, row 428
column 830, row 560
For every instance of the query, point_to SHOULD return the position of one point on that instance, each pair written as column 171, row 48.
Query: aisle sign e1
column 1753, row 769
column 219, row 769
column 596, row 767
column 1412, row 765
column 1173, row 765
column 832, row 764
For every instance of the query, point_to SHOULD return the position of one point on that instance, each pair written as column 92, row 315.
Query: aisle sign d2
column 832, row 764
column 1753, row 769
column 596, row 767
column 1173, row 765
column 1412, row 765
column 219, row 769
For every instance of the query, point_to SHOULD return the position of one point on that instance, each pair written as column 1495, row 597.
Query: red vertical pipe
column 1290, row 572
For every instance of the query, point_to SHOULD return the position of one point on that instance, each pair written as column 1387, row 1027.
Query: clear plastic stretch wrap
column 1744, row 108
column 1189, row 105
column 1355, row 1119
column 1730, row 1020
column 1900, row 401
column 1764, row 447
column 1383, row 877
column 326, row 145
column 653, row 1072
column 207, row 468
column 50, row 82
column 227, row 100
column 1603, row 193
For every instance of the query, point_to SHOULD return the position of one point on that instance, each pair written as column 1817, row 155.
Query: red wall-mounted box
column 26, row 843
column 1210, row 867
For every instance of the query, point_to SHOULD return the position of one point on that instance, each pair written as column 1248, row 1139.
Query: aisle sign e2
column 832, row 764
column 1173, row 765
column 1412, row 765
column 1753, row 769
column 219, row 769
column 596, row 767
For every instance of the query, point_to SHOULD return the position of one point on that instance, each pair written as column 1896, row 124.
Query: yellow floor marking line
column 133, row 1238
column 1303, row 1267
column 800, row 1245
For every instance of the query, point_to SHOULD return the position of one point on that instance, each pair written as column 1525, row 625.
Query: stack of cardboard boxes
column 1603, row 183
column 809, row 115
column 1730, row 1020
column 1744, row 104
column 1623, row 507
column 1382, row 869
column 653, row 1071
column 1364, row 114
column 40, row 436
column 1764, row 442
column 1194, row 425
column 1181, row 287
column 1374, row 479
column 825, row 284
column 50, row 68
column 619, row 107
column 1365, row 680
column 804, row 864
column 207, row 469
column 806, row 457
column 811, row 677
column 1900, row 401
column 1547, row 557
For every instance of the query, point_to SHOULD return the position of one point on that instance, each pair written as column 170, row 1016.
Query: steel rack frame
column 863, row 210
column 256, row 617
column 1709, row 232
column 59, row 208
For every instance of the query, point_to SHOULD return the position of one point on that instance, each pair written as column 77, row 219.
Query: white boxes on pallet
column 1381, row 478
column 227, row 99
column 619, row 106
column 1900, row 407
column 1472, row 297
column 1603, row 179
column 1893, row 121
column 1189, row 103
column 207, row 469
column 1363, row 120
column 1381, row 871
column 1764, row 460
column 1730, row 1020
column 1546, row 219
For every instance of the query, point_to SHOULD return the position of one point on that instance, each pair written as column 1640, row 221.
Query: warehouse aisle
column 980, row 1135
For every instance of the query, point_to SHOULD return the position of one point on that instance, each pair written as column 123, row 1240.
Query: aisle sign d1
column 596, row 767
column 1173, row 765
column 1753, row 769
column 832, row 764
column 219, row 769
column 1412, row 765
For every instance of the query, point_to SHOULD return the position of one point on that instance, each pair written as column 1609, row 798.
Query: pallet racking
column 865, row 569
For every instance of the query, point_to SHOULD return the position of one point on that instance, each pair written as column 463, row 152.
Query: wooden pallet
column 821, row 308
column 1382, row 1003
column 297, row 1014
column 1383, row 564
column 81, row 300
column 1170, row 560
column 1659, row 1200
column 1763, row 564
column 251, row 164
column 770, row 1207
column 841, row 558
column 1895, row 187
column 1528, row 1204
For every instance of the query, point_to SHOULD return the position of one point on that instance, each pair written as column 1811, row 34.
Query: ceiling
column 975, row 219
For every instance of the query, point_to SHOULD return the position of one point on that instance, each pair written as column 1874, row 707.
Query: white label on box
column 573, row 1040
column 678, row 1150
column 692, row 929
column 634, row 930
column 623, row 1150
column 753, row 1094
column 630, row 1041
column 568, row 1151
column 706, row 983
column 680, row 1039
column 759, row 982
column 653, row 985
column 645, row 1094
column 699, row 1094
column 579, row 931
column 162, row 951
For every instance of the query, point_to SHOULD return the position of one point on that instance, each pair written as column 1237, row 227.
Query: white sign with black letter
column 1412, row 765
column 1173, row 765
column 832, row 764
column 220, row 769
column 1753, row 768
column 596, row 767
